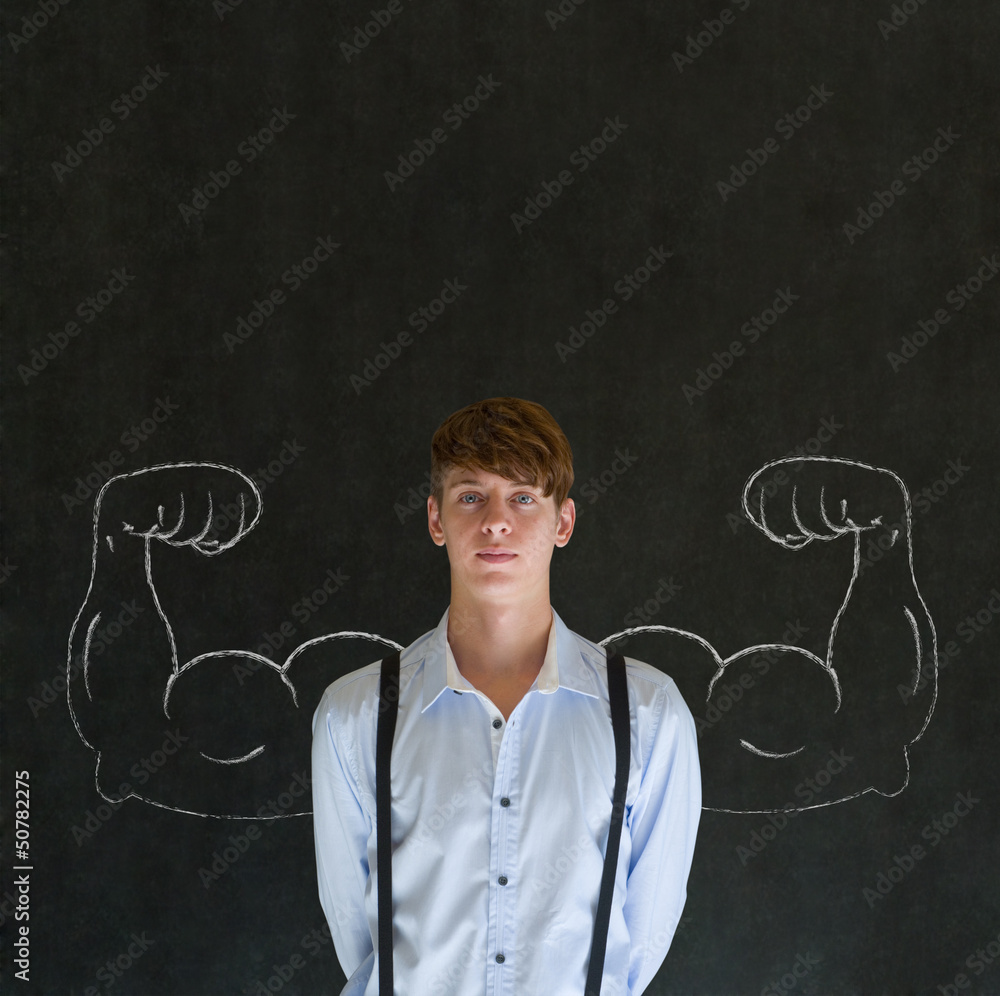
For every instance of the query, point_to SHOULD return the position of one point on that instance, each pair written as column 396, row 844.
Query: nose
column 496, row 518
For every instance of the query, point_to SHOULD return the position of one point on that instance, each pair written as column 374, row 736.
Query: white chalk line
column 234, row 760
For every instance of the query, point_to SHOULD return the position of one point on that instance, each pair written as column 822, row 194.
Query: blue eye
column 530, row 499
column 464, row 502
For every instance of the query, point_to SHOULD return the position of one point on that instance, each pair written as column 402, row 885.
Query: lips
column 498, row 556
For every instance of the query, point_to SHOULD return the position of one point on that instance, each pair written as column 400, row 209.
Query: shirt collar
column 564, row 665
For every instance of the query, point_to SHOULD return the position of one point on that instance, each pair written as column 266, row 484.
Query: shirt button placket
column 502, row 896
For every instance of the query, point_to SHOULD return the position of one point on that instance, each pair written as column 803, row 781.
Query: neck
column 499, row 642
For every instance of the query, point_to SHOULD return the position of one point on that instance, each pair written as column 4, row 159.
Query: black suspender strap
column 386, row 729
column 388, row 701
column 621, row 725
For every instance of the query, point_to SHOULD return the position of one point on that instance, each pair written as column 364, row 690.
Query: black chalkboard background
column 184, row 256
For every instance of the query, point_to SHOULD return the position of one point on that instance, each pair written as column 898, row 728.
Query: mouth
column 496, row 556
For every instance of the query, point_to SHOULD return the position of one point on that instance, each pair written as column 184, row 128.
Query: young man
column 503, row 759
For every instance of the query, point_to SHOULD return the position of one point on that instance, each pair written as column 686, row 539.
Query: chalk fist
column 796, row 500
column 206, row 506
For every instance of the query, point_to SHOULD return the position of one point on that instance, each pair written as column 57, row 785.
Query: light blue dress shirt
column 499, row 828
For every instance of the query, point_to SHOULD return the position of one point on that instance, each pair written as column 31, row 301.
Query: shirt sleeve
column 663, row 825
column 342, row 828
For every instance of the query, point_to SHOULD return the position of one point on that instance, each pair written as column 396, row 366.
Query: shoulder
column 658, row 709
column 353, row 695
column 658, row 695
column 645, row 682
column 344, row 695
column 662, row 727
column 653, row 694
column 656, row 701
column 663, row 730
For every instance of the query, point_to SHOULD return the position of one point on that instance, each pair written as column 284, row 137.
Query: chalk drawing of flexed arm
column 220, row 734
column 781, row 728
column 122, row 646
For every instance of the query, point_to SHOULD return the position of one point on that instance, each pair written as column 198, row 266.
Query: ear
column 434, row 526
column 565, row 522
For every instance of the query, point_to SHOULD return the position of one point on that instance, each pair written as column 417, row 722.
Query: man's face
column 499, row 534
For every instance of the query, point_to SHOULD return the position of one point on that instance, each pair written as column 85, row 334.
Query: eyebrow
column 480, row 484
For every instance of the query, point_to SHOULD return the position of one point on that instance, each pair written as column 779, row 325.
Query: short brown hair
column 516, row 439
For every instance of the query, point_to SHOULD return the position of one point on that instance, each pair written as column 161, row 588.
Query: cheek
column 541, row 541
